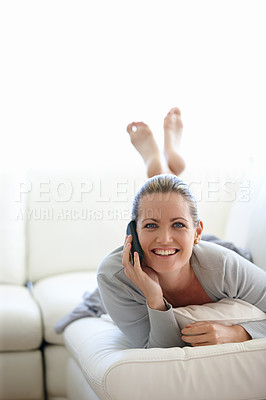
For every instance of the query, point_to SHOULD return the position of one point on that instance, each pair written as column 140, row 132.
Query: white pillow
column 226, row 311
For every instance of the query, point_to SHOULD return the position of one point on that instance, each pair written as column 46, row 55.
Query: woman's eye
column 150, row 226
column 178, row 225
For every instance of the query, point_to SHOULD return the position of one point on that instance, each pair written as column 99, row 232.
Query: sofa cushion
column 58, row 295
column 21, row 375
column 226, row 311
column 20, row 319
column 55, row 358
column 116, row 371
column 247, row 220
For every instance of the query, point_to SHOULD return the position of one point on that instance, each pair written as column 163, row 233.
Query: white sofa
column 55, row 228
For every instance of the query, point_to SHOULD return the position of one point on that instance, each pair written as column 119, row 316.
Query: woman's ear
column 198, row 232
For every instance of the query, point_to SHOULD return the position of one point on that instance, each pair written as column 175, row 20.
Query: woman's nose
column 164, row 236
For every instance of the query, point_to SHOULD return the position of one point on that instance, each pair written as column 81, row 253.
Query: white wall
column 74, row 73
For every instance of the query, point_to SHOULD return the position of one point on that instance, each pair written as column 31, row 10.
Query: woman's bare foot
column 173, row 128
column 143, row 140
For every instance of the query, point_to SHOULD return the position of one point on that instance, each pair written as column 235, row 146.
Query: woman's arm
column 127, row 306
column 207, row 333
column 245, row 281
column 239, row 279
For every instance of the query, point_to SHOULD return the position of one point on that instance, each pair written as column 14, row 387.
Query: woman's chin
column 163, row 263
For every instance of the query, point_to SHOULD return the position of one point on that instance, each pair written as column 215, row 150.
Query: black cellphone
column 131, row 230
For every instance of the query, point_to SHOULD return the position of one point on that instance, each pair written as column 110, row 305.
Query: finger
column 128, row 239
column 196, row 340
column 137, row 264
column 198, row 328
column 125, row 241
column 201, row 344
column 126, row 256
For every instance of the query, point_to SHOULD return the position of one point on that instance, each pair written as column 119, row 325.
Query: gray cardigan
column 221, row 272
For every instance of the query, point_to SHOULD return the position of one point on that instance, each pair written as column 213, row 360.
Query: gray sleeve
column 246, row 281
column 145, row 327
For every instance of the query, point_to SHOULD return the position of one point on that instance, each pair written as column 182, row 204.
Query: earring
column 196, row 241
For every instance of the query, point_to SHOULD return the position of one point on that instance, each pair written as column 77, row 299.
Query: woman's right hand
column 144, row 277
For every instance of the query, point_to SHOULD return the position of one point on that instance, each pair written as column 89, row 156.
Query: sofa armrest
column 116, row 371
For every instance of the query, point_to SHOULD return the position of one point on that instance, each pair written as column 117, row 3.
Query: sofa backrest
column 75, row 218
column 12, row 231
column 246, row 225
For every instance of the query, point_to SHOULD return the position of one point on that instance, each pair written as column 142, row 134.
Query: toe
column 130, row 126
column 175, row 110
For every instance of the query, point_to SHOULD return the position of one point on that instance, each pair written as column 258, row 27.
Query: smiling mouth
column 165, row 252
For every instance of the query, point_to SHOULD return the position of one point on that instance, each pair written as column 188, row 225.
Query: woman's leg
column 143, row 140
column 173, row 128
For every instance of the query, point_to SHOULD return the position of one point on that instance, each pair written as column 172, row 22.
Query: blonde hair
column 166, row 184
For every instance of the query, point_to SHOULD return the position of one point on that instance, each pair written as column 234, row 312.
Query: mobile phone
column 135, row 246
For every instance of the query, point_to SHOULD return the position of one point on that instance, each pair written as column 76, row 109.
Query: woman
column 178, row 269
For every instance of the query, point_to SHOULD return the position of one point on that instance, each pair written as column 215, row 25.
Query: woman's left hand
column 207, row 333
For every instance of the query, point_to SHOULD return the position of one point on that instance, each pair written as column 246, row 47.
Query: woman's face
column 166, row 231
